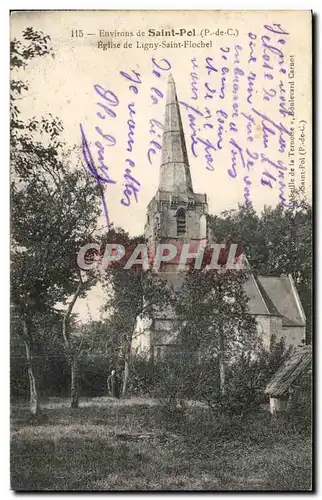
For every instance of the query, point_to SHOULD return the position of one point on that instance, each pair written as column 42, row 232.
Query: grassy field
column 129, row 445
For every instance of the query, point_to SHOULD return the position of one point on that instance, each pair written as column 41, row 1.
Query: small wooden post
column 277, row 405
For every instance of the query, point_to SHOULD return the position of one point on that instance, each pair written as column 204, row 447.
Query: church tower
column 175, row 214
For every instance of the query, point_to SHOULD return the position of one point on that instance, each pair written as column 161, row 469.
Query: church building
column 178, row 215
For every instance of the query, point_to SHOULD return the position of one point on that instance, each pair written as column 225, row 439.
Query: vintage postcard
column 161, row 250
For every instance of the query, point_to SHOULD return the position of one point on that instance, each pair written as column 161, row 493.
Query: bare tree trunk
column 222, row 367
column 74, row 389
column 33, row 384
column 71, row 354
column 74, row 375
column 127, row 359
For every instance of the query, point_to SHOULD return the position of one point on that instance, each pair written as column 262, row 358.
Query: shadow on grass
column 70, row 464
column 124, row 447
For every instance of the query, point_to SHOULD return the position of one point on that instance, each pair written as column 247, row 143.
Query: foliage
column 212, row 304
column 34, row 45
column 247, row 376
column 99, row 354
column 54, row 208
column 132, row 295
column 171, row 387
column 50, row 365
column 143, row 377
column 97, row 357
column 180, row 377
column 277, row 241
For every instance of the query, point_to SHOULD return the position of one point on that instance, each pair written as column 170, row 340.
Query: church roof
column 297, row 363
column 282, row 291
column 275, row 296
column 175, row 173
column 256, row 304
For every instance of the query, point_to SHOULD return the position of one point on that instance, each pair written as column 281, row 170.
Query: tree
column 287, row 236
column 277, row 241
column 100, row 349
column 213, row 318
column 132, row 294
column 239, row 226
column 49, row 359
column 54, row 210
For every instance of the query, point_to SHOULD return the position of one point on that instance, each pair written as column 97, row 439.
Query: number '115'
column 77, row 33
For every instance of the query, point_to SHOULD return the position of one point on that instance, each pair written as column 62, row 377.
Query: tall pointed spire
column 174, row 171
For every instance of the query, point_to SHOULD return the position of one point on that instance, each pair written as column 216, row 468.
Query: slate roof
column 256, row 304
column 268, row 296
column 275, row 296
column 282, row 291
column 298, row 362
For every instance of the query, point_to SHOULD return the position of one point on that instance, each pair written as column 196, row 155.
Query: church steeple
column 175, row 213
column 175, row 173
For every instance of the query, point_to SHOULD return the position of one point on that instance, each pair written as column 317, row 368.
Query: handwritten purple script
column 96, row 159
column 229, row 114
column 131, row 185
column 233, row 96
column 108, row 101
column 159, row 68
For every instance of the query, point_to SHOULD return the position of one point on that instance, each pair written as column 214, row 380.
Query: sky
column 254, row 64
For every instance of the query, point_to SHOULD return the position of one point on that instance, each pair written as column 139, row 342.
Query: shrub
column 246, row 378
column 142, row 375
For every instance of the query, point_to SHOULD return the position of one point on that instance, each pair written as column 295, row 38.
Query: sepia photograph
column 161, row 251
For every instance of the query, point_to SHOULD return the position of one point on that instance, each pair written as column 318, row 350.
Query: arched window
column 181, row 222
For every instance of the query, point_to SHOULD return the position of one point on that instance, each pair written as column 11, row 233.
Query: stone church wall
column 293, row 335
